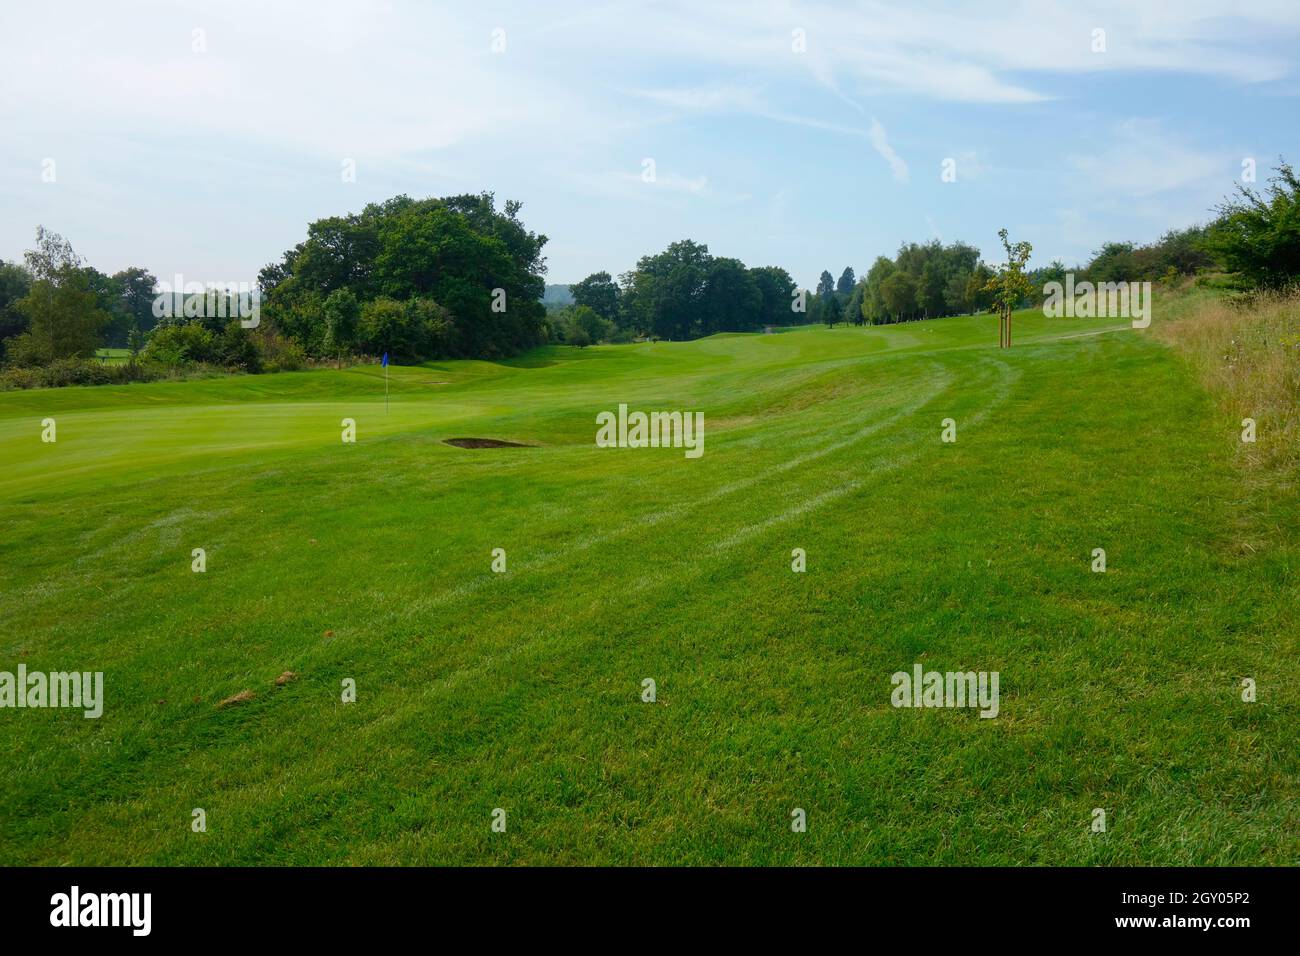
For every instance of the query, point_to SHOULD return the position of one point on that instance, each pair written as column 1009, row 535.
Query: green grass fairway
column 113, row 356
column 522, row 690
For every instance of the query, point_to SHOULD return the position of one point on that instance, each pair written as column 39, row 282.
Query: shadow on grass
column 548, row 355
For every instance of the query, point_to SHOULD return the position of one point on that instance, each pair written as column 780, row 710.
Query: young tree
column 1009, row 285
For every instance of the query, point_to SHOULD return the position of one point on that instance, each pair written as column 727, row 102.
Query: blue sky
column 208, row 153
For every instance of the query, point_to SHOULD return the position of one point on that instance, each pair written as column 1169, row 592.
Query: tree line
column 417, row 279
column 456, row 277
column 684, row 292
column 54, row 306
column 1254, row 241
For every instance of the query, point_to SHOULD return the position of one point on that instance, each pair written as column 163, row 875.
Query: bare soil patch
column 483, row 443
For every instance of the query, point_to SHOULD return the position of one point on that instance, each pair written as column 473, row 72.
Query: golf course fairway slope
column 370, row 564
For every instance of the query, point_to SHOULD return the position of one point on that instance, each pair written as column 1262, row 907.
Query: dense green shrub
column 75, row 371
column 412, row 330
column 1258, row 236
column 176, row 344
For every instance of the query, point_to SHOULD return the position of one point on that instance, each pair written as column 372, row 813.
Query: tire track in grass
column 1006, row 377
column 545, row 559
column 411, row 703
column 674, row 573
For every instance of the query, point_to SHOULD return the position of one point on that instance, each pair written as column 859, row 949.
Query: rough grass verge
column 1246, row 351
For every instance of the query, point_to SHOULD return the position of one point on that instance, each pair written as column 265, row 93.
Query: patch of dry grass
column 1246, row 350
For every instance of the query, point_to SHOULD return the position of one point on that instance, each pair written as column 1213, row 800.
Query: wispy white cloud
column 248, row 136
column 1141, row 157
column 880, row 143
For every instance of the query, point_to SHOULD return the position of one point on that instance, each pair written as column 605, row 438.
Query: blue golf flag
column 385, row 360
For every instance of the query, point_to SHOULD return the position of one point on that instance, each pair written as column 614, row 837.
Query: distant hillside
column 557, row 295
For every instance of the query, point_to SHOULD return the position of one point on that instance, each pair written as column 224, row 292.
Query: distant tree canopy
column 684, row 292
column 846, row 282
column 134, row 291
column 14, row 283
column 456, row 277
column 922, row 281
column 599, row 293
column 776, row 289
column 825, row 285
column 930, row 280
column 431, row 278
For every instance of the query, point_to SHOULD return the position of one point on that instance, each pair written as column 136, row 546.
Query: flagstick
column 385, row 388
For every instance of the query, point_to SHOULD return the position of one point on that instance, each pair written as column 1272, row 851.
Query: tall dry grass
column 1246, row 350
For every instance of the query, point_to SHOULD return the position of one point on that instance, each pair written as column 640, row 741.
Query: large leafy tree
column 341, row 312
column 955, row 299
column 108, row 297
column 732, row 300
column 776, row 295
column 874, row 308
column 599, row 293
column 898, row 295
column 457, row 266
column 931, row 286
column 670, row 289
column 135, row 289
